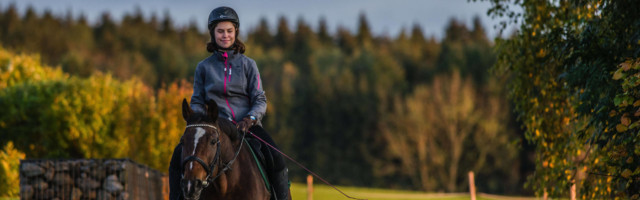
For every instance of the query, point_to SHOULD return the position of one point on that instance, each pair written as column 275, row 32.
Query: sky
column 385, row 17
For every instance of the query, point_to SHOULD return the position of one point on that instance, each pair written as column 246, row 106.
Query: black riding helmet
column 223, row 13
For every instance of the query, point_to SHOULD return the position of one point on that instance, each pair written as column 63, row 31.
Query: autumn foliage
column 410, row 112
column 573, row 77
column 50, row 114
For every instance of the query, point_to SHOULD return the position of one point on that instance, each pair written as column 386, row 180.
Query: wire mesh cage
column 80, row 179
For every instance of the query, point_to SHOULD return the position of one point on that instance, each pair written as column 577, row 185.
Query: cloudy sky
column 386, row 17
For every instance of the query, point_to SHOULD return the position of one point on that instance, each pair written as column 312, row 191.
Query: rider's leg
column 278, row 172
column 175, row 174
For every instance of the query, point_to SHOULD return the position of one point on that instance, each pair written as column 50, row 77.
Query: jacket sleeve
column 255, row 91
column 198, row 99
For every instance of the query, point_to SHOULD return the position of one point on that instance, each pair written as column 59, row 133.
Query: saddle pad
column 254, row 148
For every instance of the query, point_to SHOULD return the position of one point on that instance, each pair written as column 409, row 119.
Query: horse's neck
column 229, row 154
column 243, row 181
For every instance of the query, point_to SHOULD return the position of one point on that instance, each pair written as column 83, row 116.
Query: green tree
column 323, row 34
column 560, row 64
column 121, row 78
column 283, row 37
column 417, row 55
column 346, row 41
column 93, row 117
column 261, row 35
column 363, row 36
column 440, row 132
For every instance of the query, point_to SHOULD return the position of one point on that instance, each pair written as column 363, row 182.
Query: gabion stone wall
column 99, row 179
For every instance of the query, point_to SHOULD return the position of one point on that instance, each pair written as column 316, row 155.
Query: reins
column 302, row 166
column 227, row 166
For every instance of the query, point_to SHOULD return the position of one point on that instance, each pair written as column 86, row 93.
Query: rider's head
column 223, row 25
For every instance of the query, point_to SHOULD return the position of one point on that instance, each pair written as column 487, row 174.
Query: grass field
column 322, row 192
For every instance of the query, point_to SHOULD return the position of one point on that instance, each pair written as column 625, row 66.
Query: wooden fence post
column 472, row 186
column 309, row 187
column 573, row 191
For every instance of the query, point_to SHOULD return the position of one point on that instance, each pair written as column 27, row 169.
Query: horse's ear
column 186, row 110
column 212, row 110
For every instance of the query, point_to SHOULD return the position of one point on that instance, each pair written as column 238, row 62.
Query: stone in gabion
column 48, row 174
column 112, row 185
column 91, row 194
column 76, row 194
column 61, row 166
column 62, row 179
column 26, row 191
column 104, row 195
column 89, row 180
column 123, row 196
column 31, row 170
column 48, row 194
column 114, row 165
column 40, row 184
column 87, row 183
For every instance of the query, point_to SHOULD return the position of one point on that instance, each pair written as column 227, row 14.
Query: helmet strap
column 226, row 49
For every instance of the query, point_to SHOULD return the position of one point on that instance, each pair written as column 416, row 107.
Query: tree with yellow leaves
column 575, row 98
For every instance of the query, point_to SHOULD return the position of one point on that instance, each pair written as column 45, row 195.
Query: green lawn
column 321, row 192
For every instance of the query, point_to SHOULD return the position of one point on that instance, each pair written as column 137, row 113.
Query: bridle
column 209, row 167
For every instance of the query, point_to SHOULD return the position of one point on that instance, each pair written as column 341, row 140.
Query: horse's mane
column 228, row 127
column 225, row 125
column 199, row 118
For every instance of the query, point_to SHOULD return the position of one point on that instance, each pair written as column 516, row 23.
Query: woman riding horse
column 232, row 81
column 211, row 148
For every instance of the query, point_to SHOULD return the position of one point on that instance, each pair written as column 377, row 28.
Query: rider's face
column 225, row 33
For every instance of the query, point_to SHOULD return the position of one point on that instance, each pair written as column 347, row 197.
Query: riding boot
column 279, row 176
column 276, row 168
column 175, row 174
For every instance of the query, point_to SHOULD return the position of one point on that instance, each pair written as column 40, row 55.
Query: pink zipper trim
column 258, row 77
column 232, row 114
column 225, row 84
column 225, row 71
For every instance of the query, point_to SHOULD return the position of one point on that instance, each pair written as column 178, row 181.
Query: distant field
column 322, row 192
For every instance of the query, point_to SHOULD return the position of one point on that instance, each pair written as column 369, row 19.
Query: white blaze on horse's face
column 199, row 133
column 189, row 185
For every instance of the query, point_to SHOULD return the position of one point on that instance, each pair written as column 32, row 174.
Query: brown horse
column 215, row 163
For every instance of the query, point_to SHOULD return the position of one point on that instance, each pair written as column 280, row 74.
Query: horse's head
column 200, row 149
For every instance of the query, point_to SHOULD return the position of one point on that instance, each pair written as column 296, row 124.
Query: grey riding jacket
column 233, row 82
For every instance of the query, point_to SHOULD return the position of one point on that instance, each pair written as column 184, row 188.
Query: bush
column 9, row 164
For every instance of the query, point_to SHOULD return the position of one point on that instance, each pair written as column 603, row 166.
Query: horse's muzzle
column 191, row 188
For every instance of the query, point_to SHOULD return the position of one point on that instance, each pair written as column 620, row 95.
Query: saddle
column 263, row 159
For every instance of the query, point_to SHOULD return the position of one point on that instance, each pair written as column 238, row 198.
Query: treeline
column 153, row 50
column 406, row 112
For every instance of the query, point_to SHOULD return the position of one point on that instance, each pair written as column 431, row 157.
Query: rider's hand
column 246, row 123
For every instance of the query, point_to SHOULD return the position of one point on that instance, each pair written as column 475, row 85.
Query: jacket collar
column 230, row 55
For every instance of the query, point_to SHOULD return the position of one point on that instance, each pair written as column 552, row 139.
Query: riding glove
column 246, row 123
